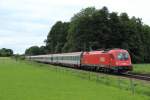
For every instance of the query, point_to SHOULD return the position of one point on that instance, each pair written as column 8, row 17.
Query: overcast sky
column 24, row 23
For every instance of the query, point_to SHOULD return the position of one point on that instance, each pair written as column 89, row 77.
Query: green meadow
column 142, row 68
column 24, row 80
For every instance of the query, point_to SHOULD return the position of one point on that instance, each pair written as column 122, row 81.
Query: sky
column 25, row 23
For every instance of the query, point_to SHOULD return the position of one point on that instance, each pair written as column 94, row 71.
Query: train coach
column 112, row 60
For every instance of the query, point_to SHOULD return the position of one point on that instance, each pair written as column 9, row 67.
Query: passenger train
column 110, row 60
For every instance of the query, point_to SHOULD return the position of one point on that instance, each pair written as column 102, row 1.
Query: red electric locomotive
column 117, row 60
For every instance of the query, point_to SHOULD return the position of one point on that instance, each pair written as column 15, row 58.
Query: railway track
column 145, row 77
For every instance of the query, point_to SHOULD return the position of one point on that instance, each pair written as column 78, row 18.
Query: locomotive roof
column 105, row 51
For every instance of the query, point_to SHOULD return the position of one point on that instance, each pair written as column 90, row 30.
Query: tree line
column 35, row 50
column 6, row 52
column 92, row 29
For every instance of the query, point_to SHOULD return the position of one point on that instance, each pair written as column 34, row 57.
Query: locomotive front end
column 122, row 61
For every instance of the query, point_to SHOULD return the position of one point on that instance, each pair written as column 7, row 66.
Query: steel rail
column 137, row 76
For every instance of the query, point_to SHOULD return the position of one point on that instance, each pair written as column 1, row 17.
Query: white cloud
column 20, row 43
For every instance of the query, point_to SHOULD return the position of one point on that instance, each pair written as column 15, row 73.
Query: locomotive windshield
column 123, row 56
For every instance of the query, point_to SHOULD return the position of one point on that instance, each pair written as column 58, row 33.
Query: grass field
column 142, row 68
column 21, row 80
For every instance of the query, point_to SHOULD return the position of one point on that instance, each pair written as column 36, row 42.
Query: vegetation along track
column 145, row 77
column 138, row 76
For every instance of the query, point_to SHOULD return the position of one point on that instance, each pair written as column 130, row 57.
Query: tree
column 6, row 52
column 43, row 50
column 57, row 37
column 92, row 29
column 101, row 29
column 80, row 31
column 34, row 50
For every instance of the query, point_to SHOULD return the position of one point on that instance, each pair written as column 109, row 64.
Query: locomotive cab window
column 123, row 56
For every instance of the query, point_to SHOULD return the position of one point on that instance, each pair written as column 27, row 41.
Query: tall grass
column 141, row 68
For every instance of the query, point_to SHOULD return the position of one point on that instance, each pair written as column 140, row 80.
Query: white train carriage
column 63, row 58
column 41, row 58
column 67, row 58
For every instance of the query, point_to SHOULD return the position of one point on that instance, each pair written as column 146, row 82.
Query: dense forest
column 6, row 52
column 93, row 29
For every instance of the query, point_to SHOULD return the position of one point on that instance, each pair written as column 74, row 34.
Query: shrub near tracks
column 22, row 80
